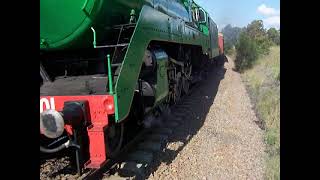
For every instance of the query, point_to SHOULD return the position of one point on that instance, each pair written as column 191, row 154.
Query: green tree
column 231, row 36
column 255, row 30
column 253, row 42
column 227, row 46
column 274, row 35
column 247, row 52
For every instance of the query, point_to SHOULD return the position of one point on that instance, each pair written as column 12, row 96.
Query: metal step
column 110, row 46
column 123, row 26
column 116, row 65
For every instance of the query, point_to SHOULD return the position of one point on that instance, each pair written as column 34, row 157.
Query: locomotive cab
column 199, row 18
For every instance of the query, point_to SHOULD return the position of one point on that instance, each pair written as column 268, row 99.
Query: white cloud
column 267, row 11
column 273, row 21
column 272, row 16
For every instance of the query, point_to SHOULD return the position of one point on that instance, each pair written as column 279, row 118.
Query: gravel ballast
column 219, row 139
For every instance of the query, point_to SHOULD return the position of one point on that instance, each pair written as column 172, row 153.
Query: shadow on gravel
column 193, row 111
column 193, row 116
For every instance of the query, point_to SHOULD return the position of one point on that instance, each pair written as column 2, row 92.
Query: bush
column 274, row 36
column 247, row 52
column 263, row 45
column 253, row 41
column 227, row 47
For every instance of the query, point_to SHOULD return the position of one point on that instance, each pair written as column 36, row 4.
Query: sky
column 241, row 12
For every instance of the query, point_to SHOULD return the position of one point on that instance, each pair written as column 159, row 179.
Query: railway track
column 134, row 159
column 135, row 162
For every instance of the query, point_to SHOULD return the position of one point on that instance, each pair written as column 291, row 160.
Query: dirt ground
column 219, row 138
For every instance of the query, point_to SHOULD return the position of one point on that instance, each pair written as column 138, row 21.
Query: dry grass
column 263, row 83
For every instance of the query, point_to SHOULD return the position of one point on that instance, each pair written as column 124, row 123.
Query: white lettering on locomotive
column 48, row 105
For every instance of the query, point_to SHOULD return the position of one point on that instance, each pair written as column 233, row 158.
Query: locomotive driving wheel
column 186, row 78
column 114, row 139
column 177, row 88
column 187, row 70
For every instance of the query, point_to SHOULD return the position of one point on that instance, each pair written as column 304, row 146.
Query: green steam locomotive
column 107, row 63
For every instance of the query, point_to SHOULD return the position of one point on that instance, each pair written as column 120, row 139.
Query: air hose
column 59, row 148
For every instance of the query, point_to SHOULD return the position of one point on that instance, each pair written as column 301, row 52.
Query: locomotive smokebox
column 51, row 123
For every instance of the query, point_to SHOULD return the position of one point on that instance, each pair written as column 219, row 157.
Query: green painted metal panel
column 162, row 86
column 151, row 25
column 213, row 34
column 204, row 28
column 66, row 24
column 63, row 22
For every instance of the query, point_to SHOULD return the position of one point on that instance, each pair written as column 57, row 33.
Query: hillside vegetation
column 256, row 52
column 263, row 85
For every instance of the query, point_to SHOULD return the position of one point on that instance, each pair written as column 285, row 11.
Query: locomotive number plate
column 46, row 104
